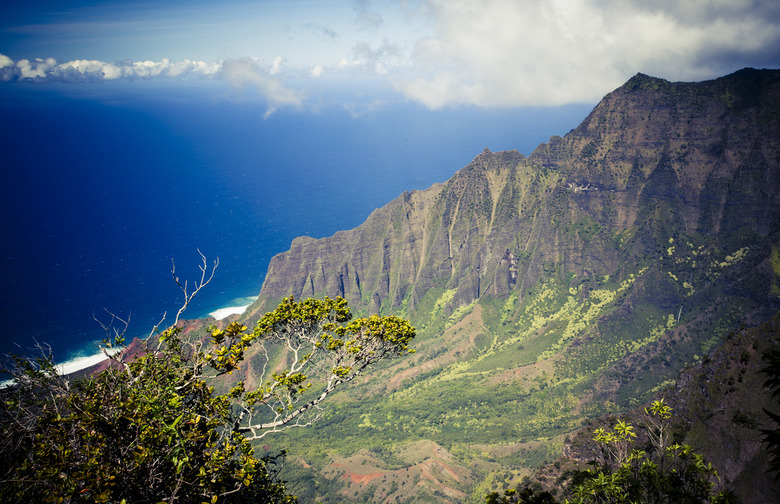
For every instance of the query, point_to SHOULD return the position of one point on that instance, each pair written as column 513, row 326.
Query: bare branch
column 114, row 342
column 281, row 422
column 254, row 432
column 157, row 326
column 206, row 275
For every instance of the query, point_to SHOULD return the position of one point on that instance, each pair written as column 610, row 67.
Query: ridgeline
column 547, row 290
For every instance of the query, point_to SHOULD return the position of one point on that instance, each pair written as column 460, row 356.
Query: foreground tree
column 153, row 429
column 665, row 473
column 771, row 437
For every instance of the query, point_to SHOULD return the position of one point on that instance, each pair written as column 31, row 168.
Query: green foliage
column 153, row 429
column 625, row 474
column 148, row 431
column 668, row 473
column 321, row 343
column 528, row 493
column 771, row 437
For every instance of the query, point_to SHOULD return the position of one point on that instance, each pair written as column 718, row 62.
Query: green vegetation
column 554, row 289
column 772, row 436
column 498, row 384
column 549, row 291
column 664, row 472
column 153, row 428
column 147, row 432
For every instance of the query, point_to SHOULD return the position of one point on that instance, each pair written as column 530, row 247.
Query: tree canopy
column 154, row 429
column 664, row 472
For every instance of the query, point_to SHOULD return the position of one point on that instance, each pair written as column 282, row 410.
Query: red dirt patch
column 361, row 478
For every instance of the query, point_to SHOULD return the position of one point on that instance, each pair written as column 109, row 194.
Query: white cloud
column 518, row 52
column 248, row 72
column 35, row 69
column 7, row 72
column 276, row 68
column 74, row 70
column 492, row 53
column 165, row 68
column 91, row 70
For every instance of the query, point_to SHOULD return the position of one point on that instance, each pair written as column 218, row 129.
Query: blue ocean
column 103, row 187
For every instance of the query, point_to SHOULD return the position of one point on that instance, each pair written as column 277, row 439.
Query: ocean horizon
column 101, row 194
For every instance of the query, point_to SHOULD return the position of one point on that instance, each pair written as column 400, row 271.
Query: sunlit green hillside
column 547, row 290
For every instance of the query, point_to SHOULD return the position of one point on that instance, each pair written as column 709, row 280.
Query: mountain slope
column 558, row 286
column 722, row 398
column 704, row 154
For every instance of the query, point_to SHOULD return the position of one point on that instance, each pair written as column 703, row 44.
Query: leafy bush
column 667, row 473
column 153, row 429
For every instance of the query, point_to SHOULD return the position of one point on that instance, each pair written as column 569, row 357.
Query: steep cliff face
column 564, row 285
column 701, row 147
column 654, row 160
column 453, row 235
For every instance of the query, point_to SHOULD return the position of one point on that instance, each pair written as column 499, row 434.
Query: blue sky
column 440, row 53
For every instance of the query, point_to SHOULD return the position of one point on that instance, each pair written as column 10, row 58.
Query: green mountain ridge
column 547, row 289
column 718, row 406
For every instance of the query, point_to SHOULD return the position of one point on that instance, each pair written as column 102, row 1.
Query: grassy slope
column 497, row 386
column 718, row 408
column 618, row 288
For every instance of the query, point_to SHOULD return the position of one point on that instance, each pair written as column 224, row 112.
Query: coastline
column 79, row 363
column 83, row 362
column 228, row 311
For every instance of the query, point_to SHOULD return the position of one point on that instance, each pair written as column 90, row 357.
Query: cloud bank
column 248, row 72
column 520, row 52
column 94, row 70
column 443, row 53
column 240, row 73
